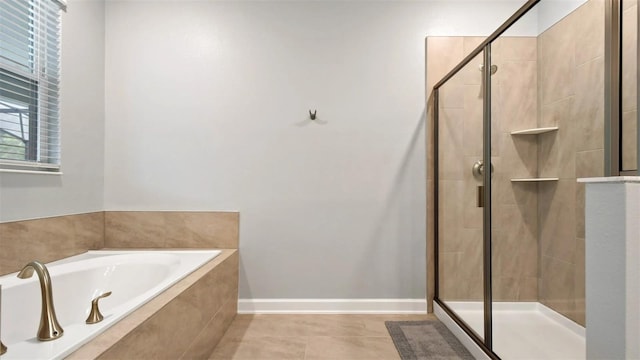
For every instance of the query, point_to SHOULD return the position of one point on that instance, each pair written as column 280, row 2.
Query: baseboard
column 332, row 306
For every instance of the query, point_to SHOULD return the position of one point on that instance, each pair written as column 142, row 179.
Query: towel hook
column 312, row 115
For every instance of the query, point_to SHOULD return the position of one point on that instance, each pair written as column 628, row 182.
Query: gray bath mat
column 430, row 339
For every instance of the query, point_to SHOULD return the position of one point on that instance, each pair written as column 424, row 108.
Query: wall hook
column 312, row 115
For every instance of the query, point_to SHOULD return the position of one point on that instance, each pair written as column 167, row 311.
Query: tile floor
column 306, row 337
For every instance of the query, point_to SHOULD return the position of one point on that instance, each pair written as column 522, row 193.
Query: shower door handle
column 480, row 196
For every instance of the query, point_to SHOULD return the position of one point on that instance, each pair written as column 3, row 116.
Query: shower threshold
column 522, row 330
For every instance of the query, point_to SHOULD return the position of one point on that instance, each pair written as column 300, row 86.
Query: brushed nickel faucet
column 95, row 316
column 49, row 328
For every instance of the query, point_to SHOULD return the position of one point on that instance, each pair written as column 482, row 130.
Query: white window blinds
column 30, row 84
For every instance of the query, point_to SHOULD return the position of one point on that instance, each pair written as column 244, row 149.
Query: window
column 30, row 84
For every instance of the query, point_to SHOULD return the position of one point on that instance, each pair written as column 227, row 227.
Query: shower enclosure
column 516, row 118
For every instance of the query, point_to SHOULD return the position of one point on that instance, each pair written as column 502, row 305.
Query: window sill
column 34, row 172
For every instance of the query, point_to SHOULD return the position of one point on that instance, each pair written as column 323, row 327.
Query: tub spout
column 49, row 328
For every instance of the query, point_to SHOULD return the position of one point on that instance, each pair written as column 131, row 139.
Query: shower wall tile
column 588, row 31
column 442, row 53
column 557, row 220
column 517, row 98
column 590, row 163
column 451, row 95
column 629, row 59
column 556, row 72
column 557, row 285
column 580, row 212
column 556, row 150
column 576, row 150
column 588, row 109
column 471, row 73
column 515, row 245
column 519, row 155
column 171, row 229
column 528, row 289
column 473, row 116
column 579, row 284
column 48, row 239
column 630, row 140
column 452, row 285
column 451, row 212
column 451, row 161
column 629, row 89
column 518, row 49
column 628, row 3
column 504, row 288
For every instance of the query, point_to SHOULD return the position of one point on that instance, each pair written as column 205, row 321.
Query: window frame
column 20, row 83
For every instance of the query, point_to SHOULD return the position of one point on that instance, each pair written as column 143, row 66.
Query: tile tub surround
column 185, row 321
column 49, row 239
column 171, row 229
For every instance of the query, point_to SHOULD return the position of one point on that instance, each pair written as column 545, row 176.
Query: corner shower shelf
column 535, row 131
column 535, row 180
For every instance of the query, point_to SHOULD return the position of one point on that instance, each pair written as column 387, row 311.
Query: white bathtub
column 133, row 277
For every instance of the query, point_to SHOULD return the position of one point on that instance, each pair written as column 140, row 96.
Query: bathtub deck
column 526, row 331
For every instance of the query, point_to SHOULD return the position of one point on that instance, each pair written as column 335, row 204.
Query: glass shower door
column 460, row 212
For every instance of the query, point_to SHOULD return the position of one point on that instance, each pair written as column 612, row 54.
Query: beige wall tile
column 580, row 212
column 590, row 163
column 556, row 64
column 528, row 289
column 517, row 97
column 557, row 285
column 630, row 140
column 557, row 220
column 472, row 121
column 451, row 153
column 588, row 31
column 451, row 212
column 145, row 229
column 556, row 150
column 515, row 246
column 134, row 229
column 203, row 346
column 629, row 59
column 443, row 53
column 518, row 48
column 202, row 229
column 48, row 239
column 472, row 214
column 628, row 3
column 519, row 155
column 580, row 282
column 588, row 108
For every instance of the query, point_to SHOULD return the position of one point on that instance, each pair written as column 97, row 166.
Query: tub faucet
column 49, row 328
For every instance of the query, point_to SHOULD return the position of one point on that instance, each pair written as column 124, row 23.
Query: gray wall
column 220, row 93
column 204, row 107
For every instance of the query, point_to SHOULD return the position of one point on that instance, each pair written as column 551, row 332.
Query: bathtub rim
column 111, row 336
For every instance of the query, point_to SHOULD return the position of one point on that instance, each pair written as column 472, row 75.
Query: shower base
column 521, row 330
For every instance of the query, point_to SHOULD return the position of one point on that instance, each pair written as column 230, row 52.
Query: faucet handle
column 95, row 316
